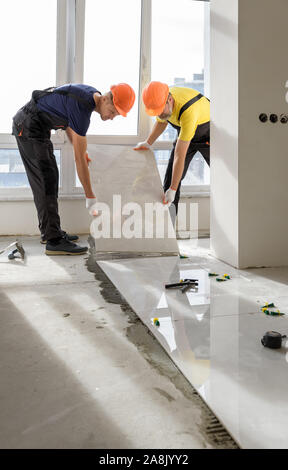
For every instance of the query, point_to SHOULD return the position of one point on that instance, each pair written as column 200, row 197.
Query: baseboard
column 187, row 234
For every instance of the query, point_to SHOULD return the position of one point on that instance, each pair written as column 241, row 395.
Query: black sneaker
column 64, row 247
column 70, row 238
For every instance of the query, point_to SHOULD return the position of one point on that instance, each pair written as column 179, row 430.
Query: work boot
column 64, row 247
column 70, row 238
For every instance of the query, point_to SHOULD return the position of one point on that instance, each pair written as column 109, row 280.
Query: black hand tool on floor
column 185, row 282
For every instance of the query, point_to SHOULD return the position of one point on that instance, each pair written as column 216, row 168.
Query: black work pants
column 43, row 176
column 193, row 148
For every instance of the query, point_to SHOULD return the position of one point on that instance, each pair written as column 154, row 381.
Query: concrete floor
column 80, row 370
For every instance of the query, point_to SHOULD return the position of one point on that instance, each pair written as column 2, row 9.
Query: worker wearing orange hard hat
column 67, row 107
column 188, row 111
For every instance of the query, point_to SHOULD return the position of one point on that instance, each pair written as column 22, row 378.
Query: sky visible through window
column 177, row 40
column 28, row 50
column 112, row 49
column 112, row 53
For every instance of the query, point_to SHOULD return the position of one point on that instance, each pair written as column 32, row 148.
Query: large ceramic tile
column 214, row 338
column 142, row 284
column 248, row 383
column 178, row 307
column 140, row 281
column 181, row 336
column 128, row 183
column 245, row 384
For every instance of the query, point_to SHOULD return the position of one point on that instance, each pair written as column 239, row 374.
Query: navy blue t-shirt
column 76, row 113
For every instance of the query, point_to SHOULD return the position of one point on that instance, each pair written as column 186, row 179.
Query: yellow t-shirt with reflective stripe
column 198, row 113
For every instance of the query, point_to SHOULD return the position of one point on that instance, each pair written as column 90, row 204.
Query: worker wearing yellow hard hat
column 188, row 111
column 67, row 107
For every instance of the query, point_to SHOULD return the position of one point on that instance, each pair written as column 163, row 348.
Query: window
column 12, row 171
column 198, row 172
column 111, row 56
column 98, row 43
column 177, row 56
column 28, row 50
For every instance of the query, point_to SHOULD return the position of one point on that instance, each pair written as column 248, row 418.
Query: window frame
column 70, row 67
column 18, row 193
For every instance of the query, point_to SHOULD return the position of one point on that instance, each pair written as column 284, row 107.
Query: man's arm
column 187, row 132
column 179, row 162
column 80, row 148
column 157, row 130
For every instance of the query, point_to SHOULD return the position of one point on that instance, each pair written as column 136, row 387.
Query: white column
column 249, row 162
column 224, row 129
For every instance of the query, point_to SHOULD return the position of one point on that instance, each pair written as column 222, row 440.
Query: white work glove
column 142, row 146
column 169, row 197
column 91, row 205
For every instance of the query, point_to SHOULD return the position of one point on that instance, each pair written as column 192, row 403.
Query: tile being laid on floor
column 128, row 183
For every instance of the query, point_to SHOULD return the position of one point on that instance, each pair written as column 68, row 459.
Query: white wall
column 263, row 162
column 20, row 218
column 249, row 164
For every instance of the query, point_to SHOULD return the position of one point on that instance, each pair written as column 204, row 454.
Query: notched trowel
column 15, row 247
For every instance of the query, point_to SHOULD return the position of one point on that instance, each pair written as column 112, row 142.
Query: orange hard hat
column 154, row 96
column 123, row 97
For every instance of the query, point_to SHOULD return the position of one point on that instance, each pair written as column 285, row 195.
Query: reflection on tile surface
column 122, row 177
column 214, row 337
